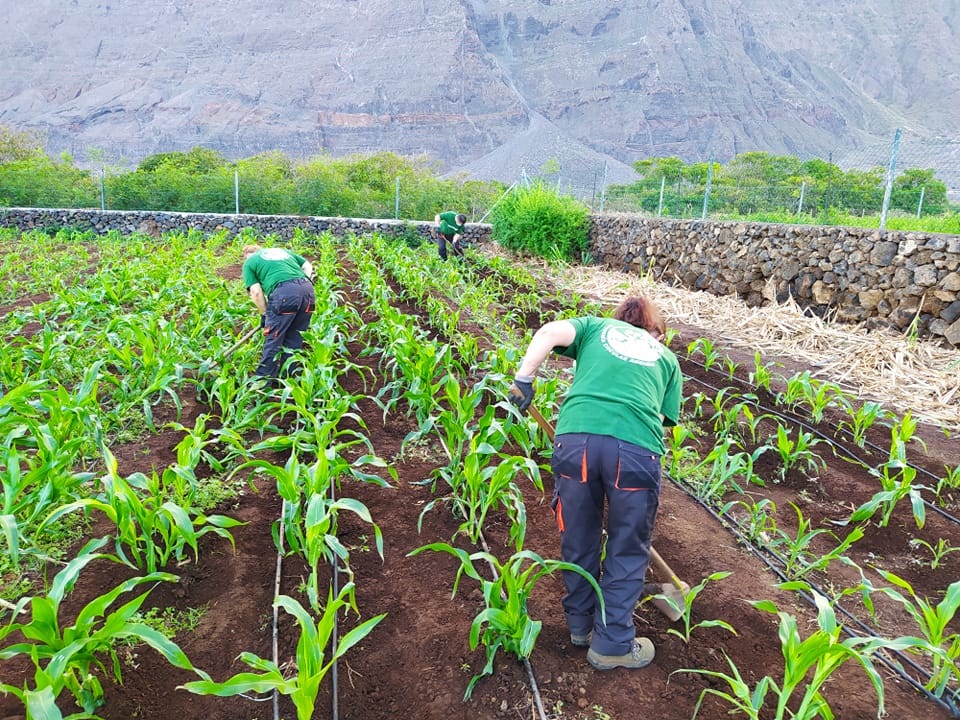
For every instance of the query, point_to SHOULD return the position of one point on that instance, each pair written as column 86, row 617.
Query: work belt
column 291, row 280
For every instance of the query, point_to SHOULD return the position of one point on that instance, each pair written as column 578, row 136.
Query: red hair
column 642, row 313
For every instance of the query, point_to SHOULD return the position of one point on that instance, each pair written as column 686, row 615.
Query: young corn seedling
column 800, row 559
column 795, row 453
column 950, row 481
column 706, row 348
column 808, row 665
column 486, row 485
column 862, row 419
column 66, row 657
column 760, row 522
column 505, row 622
column 679, row 455
column 723, row 468
column 314, row 657
column 816, row 394
column 939, row 552
column 310, row 515
column 762, row 376
column 685, row 611
column 934, row 623
column 731, row 422
column 897, row 485
column 150, row 528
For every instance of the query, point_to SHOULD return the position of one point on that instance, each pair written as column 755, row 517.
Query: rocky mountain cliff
column 489, row 86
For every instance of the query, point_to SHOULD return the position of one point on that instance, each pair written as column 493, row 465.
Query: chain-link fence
column 908, row 176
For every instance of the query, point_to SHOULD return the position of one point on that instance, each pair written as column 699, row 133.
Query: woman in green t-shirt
column 609, row 439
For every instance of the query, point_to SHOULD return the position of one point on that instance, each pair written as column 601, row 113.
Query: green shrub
column 539, row 221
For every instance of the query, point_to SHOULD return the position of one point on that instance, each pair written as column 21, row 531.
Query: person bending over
column 279, row 283
column 607, row 448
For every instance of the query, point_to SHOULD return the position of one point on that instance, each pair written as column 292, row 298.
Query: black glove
column 263, row 321
column 521, row 392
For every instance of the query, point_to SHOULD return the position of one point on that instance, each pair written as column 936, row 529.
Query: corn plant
column 731, row 367
column 484, row 485
column 933, row 622
column 697, row 400
column 898, row 483
column 760, row 523
column 505, row 622
column 685, row 611
column 723, row 468
column 335, row 449
column 761, row 377
column 456, row 420
column 195, row 447
column 731, row 421
column 800, row 558
column 705, row 346
column 67, row 657
column 808, row 665
column 817, row 395
column 861, row 419
column 939, row 552
column 150, row 528
column 901, row 434
column 314, row 656
column 950, row 481
column 679, row 455
column 795, row 453
column 310, row 515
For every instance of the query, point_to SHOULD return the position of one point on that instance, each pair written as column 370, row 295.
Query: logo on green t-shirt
column 631, row 344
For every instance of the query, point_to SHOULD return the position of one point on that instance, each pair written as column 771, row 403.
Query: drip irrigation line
column 526, row 661
column 897, row 668
column 850, row 455
column 334, row 670
column 276, row 611
column 534, row 688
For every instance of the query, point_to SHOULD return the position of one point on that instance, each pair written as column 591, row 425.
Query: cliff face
column 487, row 85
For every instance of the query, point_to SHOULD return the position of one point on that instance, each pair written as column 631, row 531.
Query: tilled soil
column 417, row 662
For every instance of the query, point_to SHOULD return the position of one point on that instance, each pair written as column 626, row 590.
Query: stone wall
column 156, row 223
column 849, row 274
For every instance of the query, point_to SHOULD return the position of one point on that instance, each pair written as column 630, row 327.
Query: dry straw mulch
column 879, row 365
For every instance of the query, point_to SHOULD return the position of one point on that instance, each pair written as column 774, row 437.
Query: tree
column 907, row 188
column 21, row 145
column 197, row 161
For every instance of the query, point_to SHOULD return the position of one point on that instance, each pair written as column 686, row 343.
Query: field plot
column 170, row 531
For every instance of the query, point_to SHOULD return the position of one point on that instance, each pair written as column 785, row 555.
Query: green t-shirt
column 448, row 223
column 272, row 266
column 625, row 381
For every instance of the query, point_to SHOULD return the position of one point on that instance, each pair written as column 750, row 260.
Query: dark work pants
column 456, row 247
column 589, row 470
column 289, row 309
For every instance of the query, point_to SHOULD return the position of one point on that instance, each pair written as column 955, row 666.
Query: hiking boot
column 580, row 641
column 640, row 655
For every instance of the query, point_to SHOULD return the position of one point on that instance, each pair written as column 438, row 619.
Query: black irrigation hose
column 733, row 527
column 819, row 433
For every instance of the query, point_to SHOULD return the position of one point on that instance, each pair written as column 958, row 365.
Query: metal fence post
column 663, row 182
column 603, row 186
column 803, row 189
column 103, row 193
column 396, row 204
column 920, row 204
column 706, row 192
column 236, row 191
column 889, row 187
